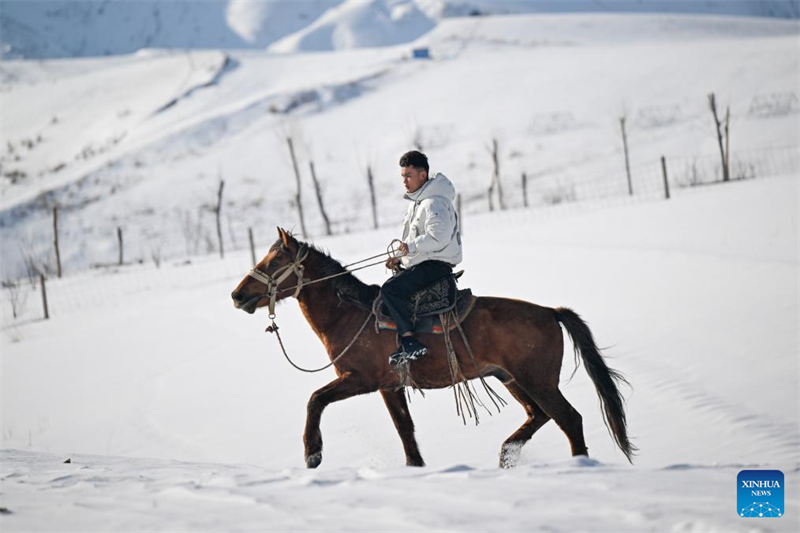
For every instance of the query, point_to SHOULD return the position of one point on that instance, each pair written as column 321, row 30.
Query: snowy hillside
column 57, row 28
column 139, row 142
column 179, row 413
column 359, row 24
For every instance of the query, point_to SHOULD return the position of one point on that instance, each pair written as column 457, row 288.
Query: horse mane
column 348, row 288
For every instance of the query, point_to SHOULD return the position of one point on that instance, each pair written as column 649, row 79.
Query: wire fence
column 183, row 250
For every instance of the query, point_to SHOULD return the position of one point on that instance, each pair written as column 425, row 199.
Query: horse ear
column 289, row 242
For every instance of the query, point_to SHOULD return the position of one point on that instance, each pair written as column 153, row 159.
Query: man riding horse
column 430, row 248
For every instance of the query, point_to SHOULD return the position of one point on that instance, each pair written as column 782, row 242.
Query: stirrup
column 410, row 350
column 397, row 358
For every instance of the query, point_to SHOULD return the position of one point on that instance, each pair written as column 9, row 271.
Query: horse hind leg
column 512, row 447
column 398, row 408
column 567, row 417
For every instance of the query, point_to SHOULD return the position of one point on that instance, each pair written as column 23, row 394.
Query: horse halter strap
column 295, row 267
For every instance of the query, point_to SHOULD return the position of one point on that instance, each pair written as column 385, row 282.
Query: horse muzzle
column 240, row 301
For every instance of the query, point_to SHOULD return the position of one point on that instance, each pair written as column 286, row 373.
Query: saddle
column 425, row 306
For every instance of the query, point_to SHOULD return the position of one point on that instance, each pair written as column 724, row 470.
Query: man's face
column 413, row 178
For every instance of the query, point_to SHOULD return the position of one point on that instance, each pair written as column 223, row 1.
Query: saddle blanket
column 465, row 302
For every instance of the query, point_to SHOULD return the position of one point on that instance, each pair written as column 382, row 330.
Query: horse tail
column 605, row 379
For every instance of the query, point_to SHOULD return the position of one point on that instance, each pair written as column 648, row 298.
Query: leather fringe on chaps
column 464, row 393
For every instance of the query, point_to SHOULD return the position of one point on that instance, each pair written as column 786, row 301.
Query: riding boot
column 410, row 350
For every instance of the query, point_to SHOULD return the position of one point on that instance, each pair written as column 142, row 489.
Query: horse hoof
column 415, row 461
column 509, row 456
column 313, row 460
column 505, row 463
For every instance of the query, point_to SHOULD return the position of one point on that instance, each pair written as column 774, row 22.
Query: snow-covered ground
column 696, row 297
column 179, row 413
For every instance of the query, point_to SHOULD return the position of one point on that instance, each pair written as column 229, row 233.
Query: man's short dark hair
column 414, row 159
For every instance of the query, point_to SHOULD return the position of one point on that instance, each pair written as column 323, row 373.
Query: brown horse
column 517, row 342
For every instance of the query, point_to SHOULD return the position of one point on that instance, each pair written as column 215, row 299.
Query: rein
column 273, row 328
column 296, row 267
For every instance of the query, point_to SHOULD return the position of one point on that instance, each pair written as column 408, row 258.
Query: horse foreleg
column 398, row 407
column 341, row 388
column 512, row 447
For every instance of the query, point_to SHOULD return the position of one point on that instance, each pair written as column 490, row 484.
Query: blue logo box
column 759, row 494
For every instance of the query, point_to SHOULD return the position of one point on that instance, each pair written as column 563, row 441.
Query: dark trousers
column 397, row 290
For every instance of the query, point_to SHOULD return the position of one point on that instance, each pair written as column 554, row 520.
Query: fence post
column 525, row 189
column 218, row 213
column 55, row 238
column 119, row 239
column 371, row 183
column 712, row 103
column 664, row 172
column 298, row 197
column 627, row 161
column 496, row 178
column 252, row 245
column 44, row 297
column 319, row 199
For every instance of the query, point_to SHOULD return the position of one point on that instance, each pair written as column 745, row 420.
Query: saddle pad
column 465, row 301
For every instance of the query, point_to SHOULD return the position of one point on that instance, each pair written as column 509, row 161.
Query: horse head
column 273, row 278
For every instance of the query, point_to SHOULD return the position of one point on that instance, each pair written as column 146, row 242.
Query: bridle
column 296, row 267
column 272, row 282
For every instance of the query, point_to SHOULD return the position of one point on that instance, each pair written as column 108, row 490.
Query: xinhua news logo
column 759, row 493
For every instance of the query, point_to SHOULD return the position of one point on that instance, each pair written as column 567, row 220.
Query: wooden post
column 252, row 245
column 712, row 103
column 525, row 189
column 727, row 143
column 55, row 238
column 627, row 161
column 298, row 197
column 496, row 177
column 218, row 212
column 44, row 297
column 458, row 211
column 371, row 182
column 666, row 181
column 319, row 199
column 119, row 239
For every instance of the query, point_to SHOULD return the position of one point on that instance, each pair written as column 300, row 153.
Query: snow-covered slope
column 360, row 24
column 140, row 141
column 695, row 297
column 261, row 23
column 750, row 8
column 55, row 28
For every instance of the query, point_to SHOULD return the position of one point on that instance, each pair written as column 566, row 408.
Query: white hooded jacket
column 430, row 228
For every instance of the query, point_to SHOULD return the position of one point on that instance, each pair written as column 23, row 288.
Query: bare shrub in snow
column 773, row 105
column 691, row 175
column 36, row 263
column 743, row 170
column 192, row 231
column 17, row 296
column 559, row 194
column 657, row 116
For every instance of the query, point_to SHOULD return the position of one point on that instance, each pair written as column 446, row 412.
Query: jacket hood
column 438, row 185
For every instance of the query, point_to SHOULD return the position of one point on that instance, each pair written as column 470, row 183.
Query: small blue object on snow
column 422, row 53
